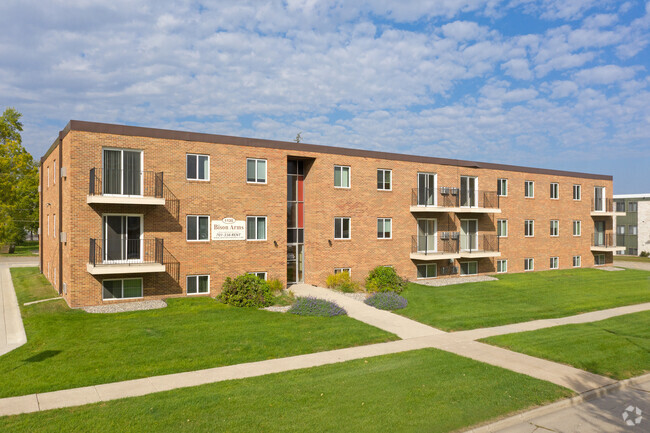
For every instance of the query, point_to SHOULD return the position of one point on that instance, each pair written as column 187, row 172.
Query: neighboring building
column 132, row 213
column 633, row 226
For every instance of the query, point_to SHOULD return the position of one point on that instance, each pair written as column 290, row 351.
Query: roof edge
column 647, row 195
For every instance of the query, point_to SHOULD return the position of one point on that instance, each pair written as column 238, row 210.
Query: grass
column 24, row 250
column 618, row 347
column 424, row 390
column 631, row 259
column 70, row 348
column 523, row 297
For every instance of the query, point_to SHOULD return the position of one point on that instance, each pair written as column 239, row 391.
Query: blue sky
column 558, row 84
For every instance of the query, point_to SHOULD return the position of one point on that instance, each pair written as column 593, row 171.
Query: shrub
column 385, row 279
column 387, row 301
column 276, row 285
column 644, row 254
column 342, row 282
column 246, row 291
column 310, row 306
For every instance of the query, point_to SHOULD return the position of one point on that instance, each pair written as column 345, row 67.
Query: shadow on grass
column 42, row 356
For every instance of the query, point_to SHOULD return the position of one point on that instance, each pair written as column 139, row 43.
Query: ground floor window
column 341, row 270
column 529, row 264
column 502, row 266
column 428, row 271
column 555, row 263
column 256, row 228
column 260, row 275
column 599, row 259
column 577, row 261
column 122, row 289
column 198, row 284
column 469, row 268
column 633, row 251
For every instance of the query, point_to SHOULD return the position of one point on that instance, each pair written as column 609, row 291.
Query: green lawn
column 523, row 297
column 631, row 259
column 25, row 249
column 70, row 348
column 424, row 390
column 618, row 347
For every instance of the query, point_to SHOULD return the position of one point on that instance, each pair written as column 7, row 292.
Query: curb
column 557, row 406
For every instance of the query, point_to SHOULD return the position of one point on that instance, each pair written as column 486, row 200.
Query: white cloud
column 462, row 30
column 518, row 68
column 607, row 74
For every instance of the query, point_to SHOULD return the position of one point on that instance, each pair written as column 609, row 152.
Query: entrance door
column 468, row 235
column 468, row 191
column 426, row 189
column 599, row 233
column 427, row 235
column 599, row 198
column 122, row 172
column 122, row 238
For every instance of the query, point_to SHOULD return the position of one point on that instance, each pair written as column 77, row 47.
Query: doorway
column 469, row 235
column 122, row 238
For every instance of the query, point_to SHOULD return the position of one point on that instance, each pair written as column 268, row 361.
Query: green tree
column 18, row 181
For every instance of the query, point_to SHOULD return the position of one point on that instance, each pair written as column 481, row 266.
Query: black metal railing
column 604, row 240
column 104, row 181
column 125, row 251
column 479, row 242
column 603, row 205
column 442, row 242
column 454, row 197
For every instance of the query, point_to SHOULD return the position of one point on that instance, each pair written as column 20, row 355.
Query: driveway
column 643, row 266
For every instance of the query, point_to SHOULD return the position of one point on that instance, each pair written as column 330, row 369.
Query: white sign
column 228, row 230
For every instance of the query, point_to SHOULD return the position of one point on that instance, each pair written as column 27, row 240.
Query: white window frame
column 258, row 273
column 500, row 233
column 197, row 167
column 620, row 229
column 341, row 167
column 427, row 277
column 579, row 261
column 529, row 264
column 122, row 280
column 54, row 170
column 467, row 263
column 577, row 188
column 187, row 232
column 266, row 171
column 339, row 220
column 503, row 264
column 633, row 204
column 48, row 225
column 532, row 184
column 341, row 270
column 532, row 226
column 577, row 224
column 266, row 228
column 555, row 188
column 603, row 203
column 501, row 182
column 187, row 277
column 383, row 176
column 122, row 150
column 555, row 223
column 48, row 176
column 632, row 229
column 596, row 256
column 383, row 220
column 54, row 224
column 554, row 263
column 435, row 237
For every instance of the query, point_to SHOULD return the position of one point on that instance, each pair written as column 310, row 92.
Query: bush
column 385, row 279
column 644, row 254
column 276, row 285
column 387, row 301
column 246, row 291
column 316, row 307
column 342, row 282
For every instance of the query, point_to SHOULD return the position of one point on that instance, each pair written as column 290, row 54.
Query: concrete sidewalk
column 12, row 332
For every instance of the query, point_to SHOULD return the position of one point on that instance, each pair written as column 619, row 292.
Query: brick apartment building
column 132, row 213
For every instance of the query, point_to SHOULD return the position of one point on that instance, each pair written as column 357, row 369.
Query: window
column 48, row 225
column 502, row 266
column 577, row 228
column 427, row 271
column 54, row 174
column 341, row 228
column 384, row 228
column 620, row 206
column 632, row 206
column 555, row 263
column 198, row 284
column 599, row 259
column 577, row 261
column 198, row 227
column 384, row 179
column 529, row 264
column 633, row 251
column 340, row 270
column 555, row 228
column 122, row 289
column 502, row 187
column 599, row 199
column 555, row 191
column 255, row 170
column 256, row 228
column 260, row 275
column 620, row 230
column 341, row 176
column 577, row 192
column 48, row 176
column 469, row 268
column 502, row 228
column 529, row 228
column 54, row 227
column 198, row 167
column 529, row 189
column 631, row 230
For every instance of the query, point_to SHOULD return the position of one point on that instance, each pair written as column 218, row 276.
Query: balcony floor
column 607, row 214
column 443, row 209
column 479, row 254
column 125, row 268
column 116, row 199
column 604, row 249
column 431, row 256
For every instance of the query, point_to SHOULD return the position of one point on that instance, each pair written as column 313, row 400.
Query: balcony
column 441, row 246
column 113, row 186
column 447, row 199
column 125, row 256
column 479, row 246
column 605, row 243
column 604, row 207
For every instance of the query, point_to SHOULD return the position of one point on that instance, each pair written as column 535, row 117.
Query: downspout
column 60, row 228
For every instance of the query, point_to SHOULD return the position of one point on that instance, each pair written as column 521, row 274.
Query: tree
column 18, row 181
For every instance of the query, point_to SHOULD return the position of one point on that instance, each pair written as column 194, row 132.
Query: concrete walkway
column 12, row 332
column 643, row 266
